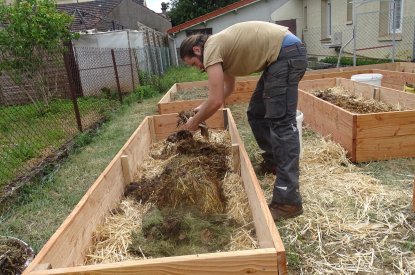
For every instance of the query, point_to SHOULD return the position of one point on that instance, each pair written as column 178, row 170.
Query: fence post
column 354, row 31
column 131, row 60
column 156, row 54
column 394, row 30
column 116, row 75
column 138, row 65
column 413, row 48
column 150, row 54
column 73, row 75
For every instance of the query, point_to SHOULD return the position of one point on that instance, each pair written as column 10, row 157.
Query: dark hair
column 186, row 48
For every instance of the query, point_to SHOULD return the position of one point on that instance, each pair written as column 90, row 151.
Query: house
column 325, row 26
column 114, row 15
column 328, row 25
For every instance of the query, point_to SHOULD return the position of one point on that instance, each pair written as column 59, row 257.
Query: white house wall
column 368, row 39
column 259, row 11
column 291, row 10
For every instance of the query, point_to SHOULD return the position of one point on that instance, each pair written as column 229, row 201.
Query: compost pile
column 192, row 93
column 194, row 169
column 14, row 256
column 184, row 200
column 355, row 104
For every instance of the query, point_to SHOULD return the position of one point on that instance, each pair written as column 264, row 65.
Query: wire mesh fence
column 379, row 30
column 42, row 111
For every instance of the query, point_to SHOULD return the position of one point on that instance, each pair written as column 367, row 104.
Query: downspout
column 341, row 50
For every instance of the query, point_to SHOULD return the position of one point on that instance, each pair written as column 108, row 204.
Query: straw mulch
column 351, row 223
column 341, row 97
column 190, row 93
column 112, row 241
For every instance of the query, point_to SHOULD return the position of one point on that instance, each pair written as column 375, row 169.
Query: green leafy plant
column 31, row 42
column 348, row 61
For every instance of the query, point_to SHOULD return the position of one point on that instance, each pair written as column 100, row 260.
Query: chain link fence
column 42, row 111
column 381, row 30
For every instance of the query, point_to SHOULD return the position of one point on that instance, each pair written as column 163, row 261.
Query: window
column 325, row 19
column 397, row 24
column 196, row 31
column 305, row 17
column 349, row 11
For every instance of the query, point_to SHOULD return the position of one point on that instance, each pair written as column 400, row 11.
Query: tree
column 185, row 10
column 32, row 37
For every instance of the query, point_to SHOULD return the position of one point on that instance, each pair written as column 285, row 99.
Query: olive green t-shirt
column 244, row 48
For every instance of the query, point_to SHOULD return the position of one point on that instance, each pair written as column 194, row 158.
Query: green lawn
column 27, row 136
column 39, row 208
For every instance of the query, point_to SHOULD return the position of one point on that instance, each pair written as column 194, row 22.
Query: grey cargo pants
column 272, row 117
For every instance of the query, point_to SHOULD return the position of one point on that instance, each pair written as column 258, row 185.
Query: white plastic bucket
column 372, row 79
column 300, row 118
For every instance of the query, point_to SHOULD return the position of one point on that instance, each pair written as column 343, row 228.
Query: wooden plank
column 397, row 79
column 259, row 207
column 248, row 78
column 178, row 106
column 316, row 111
column 236, row 163
column 408, row 67
column 347, row 74
column 245, row 87
column 167, row 97
column 189, row 85
column 388, row 124
column 266, row 230
column 238, row 98
column 44, row 266
column 382, row 66
column 259, row 261
column 152, row 128
column 68, row 244
column 126, row 169
column 413, row 196
column 384, row 148
column 319, row 84
column 167, row 124
column 397, row 98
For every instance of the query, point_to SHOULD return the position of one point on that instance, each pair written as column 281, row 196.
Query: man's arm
column 229, row 86
column 215, row 98
column 229, row 81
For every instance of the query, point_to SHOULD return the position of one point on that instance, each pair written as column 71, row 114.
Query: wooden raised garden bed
column 407, row 67
column 391, row 79
column 244, row 88
column 65, row 252
column 395, row 76
column 366, row 137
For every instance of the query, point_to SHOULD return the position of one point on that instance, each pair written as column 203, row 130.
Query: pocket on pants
column 297, row 68
column 276, row 103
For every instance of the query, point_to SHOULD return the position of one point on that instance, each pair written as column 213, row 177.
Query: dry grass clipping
column 345, row 99
column 190, row 93
column 111, row 240
column 351, row 223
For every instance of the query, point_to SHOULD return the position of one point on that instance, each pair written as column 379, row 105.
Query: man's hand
column 191, row 125
column 197, row 108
